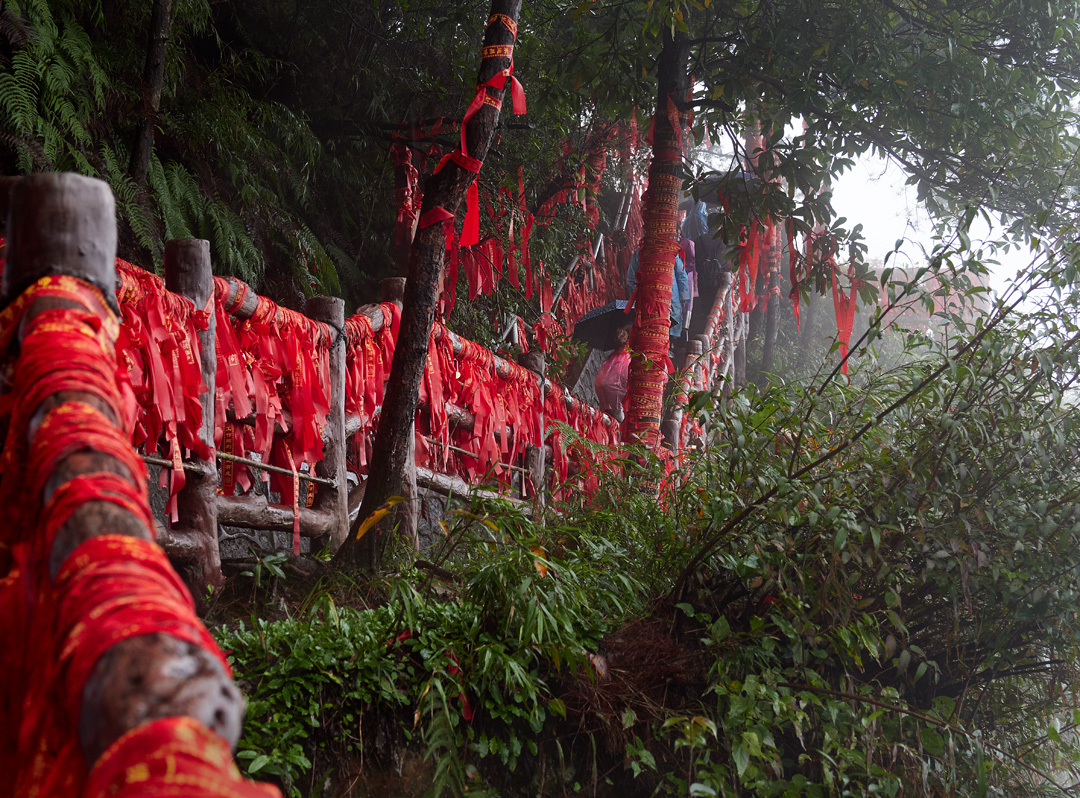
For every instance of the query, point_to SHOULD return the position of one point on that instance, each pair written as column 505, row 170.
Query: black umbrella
column 597, row 328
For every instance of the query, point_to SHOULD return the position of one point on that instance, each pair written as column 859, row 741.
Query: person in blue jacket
column 680, row 292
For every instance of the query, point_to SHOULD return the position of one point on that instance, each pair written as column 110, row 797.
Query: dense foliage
column 276, row 119
column 856, row 588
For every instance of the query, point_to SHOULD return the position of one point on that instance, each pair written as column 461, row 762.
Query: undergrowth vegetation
column 864, row 587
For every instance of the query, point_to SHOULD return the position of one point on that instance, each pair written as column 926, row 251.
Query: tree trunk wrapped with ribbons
column 392, row 471
column 649, row 338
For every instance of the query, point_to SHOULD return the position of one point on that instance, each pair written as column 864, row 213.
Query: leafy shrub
column 469, row 676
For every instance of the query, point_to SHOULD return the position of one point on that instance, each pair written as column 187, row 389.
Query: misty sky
column 874, row 194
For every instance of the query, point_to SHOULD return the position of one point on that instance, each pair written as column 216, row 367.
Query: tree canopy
column 276, row 119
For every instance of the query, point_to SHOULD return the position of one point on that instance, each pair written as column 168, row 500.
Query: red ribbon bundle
column 844, row 306
column 367, row 365
column 288, row 378
column 159, row 346
column 749, row 255
column 111, row 588
column 589, row 423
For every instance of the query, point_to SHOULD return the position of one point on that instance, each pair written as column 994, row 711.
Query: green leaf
column 932, row 742
column 741, row 757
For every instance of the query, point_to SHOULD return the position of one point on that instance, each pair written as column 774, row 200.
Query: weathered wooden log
column 254, row 511
column 241, row 301
column 156, row 676
column 374, row 314
column 60, row 223
column 451, row 485
column 198, row 560
column 249, row 301
column 335, row 502
column 717, row 310
column 65, row 224
column 392, row 289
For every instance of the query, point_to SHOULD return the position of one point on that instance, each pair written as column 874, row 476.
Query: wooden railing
column 484, row 421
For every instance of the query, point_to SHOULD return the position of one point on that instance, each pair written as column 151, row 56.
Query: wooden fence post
column 83, row 246
column 192, row 543
column 330, row 311
column 65, row 224
column 535, row 458
column 7, row 184
column 696, row 348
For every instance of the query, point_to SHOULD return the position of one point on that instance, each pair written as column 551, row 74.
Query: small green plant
column 267, row 568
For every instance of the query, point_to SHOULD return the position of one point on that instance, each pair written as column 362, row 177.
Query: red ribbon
column 844, row 305
column 470, row 230
column 748, row 267
column 437, row 215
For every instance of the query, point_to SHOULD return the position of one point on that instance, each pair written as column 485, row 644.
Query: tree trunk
column 756, row 317
column 660, row 243
column 153, row 79
column 390, row 466
column 738, row 368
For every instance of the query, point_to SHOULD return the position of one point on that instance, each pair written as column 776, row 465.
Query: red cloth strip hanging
column 470, row 230
column 844, row 305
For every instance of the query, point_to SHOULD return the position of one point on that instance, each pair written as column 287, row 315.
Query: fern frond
column 15, row 29
column 19, row 92
column 233, row 250
column 38, row 13
column 176, row 210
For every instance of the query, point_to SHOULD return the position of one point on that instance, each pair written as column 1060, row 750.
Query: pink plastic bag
column 611, row 382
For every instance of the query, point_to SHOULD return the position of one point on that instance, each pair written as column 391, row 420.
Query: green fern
column 19, row 91
column 227, row 167
column 177, row 196
column 51, row 90
column 128, row 207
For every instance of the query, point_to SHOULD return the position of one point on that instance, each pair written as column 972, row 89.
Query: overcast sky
column 874, row 193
